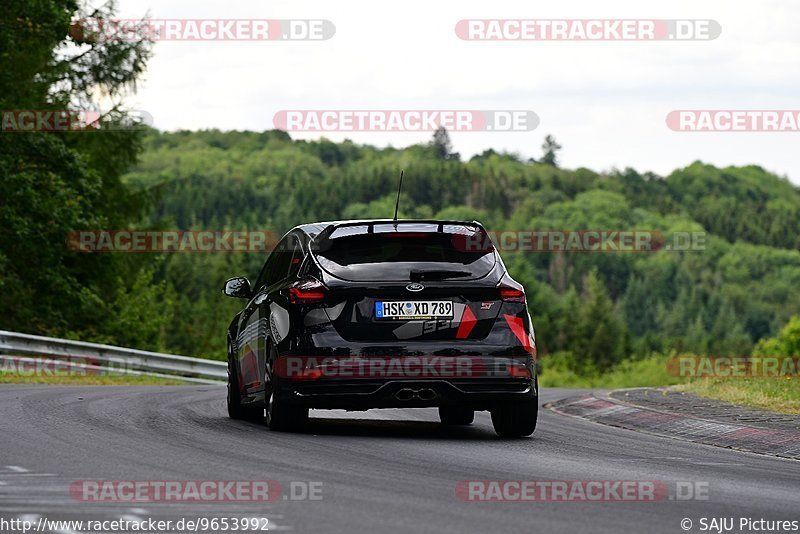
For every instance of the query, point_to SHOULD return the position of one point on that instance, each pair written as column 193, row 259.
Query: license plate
column 414, row 309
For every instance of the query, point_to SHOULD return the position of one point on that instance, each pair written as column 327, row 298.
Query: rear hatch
column 410, row 282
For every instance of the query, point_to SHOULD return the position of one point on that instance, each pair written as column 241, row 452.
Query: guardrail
column 119, row 359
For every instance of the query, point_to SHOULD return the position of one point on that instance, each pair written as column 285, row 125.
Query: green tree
column 603, row 335
column 55, row 183
column 550, row 148
column 786, row 343
column 441, row 145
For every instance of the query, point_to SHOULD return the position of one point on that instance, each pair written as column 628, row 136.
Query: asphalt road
column 381, row 471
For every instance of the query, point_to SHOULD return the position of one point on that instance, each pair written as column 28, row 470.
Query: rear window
column 409, row 253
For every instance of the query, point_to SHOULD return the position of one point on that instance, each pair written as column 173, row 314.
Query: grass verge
column 648, row 372
column 775, row 394
column 89, row 380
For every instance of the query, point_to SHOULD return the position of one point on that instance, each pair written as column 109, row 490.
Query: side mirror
column 238, row 287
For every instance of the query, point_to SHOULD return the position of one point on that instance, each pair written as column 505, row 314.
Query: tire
column 284, row 417
column 280, row 415
column 516, row 420
column 456, row 415
column 237, row 410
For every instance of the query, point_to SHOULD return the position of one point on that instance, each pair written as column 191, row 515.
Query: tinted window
column 297, row 257
column 402, row 255
column 277, row 266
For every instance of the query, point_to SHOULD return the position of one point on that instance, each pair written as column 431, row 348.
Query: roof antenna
column 397, row 204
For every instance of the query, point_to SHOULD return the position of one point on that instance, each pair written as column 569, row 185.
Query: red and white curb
column 609, row 411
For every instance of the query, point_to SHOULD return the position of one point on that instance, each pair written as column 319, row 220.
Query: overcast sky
column 605, row 102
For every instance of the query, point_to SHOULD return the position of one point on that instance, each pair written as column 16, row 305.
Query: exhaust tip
column 426, row 394
column 405, row 394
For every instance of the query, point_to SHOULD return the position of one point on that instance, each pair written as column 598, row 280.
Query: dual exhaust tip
column 407, row 394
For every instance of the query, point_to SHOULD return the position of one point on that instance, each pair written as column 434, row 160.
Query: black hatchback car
column 368, row 314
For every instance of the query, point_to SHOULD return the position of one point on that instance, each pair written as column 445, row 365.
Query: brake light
column 512, row 294
column 308, row 374
column 519, row 372
column 307, row 292
column 409, row 234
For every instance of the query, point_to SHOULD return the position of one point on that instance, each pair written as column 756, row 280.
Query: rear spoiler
column 324, row 234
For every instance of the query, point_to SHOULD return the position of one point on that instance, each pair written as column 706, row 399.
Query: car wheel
column 237, row 410
column 516, row 420
column 234, row 401
column 456, row 415
column 281, row 416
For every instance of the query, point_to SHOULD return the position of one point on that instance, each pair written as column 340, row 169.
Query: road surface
column 380, row 471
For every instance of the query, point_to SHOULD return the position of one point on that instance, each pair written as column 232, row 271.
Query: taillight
column 520, row 371
column 511, row 294
column 307, row 292
column 308, row 374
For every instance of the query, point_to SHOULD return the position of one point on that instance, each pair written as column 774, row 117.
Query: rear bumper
column 366, row 394
column 327, row 371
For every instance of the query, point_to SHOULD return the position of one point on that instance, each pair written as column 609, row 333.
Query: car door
column 260, row 318
column 275, row 308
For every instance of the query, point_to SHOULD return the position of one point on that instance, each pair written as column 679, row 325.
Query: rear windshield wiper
column 437, row 274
